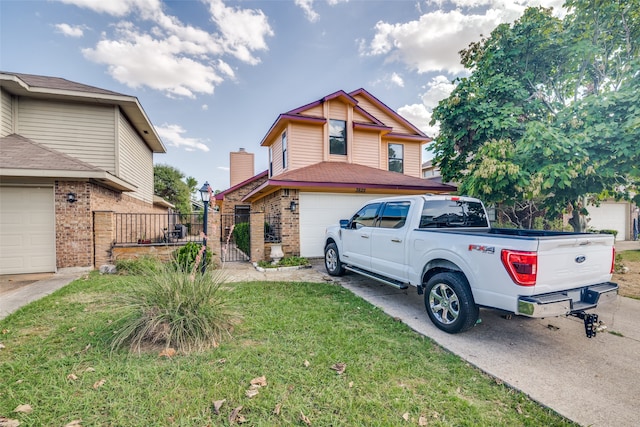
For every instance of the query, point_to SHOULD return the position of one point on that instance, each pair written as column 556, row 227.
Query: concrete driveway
column 594, row 382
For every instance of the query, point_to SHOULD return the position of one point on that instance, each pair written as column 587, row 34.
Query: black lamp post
column 205, row 195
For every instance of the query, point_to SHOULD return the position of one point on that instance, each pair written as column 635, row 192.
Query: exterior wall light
column 293, row 206
column 71, row 197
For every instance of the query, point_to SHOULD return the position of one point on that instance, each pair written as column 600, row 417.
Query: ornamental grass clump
column 170, row 308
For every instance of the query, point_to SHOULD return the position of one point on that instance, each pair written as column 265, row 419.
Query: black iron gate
column 235, row 241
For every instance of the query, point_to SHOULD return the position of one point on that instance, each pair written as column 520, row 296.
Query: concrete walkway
column 594, row 382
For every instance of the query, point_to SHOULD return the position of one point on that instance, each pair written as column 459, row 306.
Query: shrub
column 241, row 237
column 185, row 257
column 173, row 308
column 290, row 261
column 137, row 265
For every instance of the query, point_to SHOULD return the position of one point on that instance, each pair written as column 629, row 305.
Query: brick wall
column 234, row 198
column 84, row 229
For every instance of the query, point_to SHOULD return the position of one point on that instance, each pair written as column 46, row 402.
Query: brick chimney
column 241, row 166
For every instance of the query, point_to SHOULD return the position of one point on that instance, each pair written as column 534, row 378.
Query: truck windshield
column 452, row 213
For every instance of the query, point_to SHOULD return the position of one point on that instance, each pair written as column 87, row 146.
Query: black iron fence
column 272, row 228
column 158, row 228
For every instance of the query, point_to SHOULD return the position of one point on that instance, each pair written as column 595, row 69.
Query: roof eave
column 99, row 176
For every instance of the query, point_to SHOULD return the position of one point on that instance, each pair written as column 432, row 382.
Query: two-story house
column 67, row 152
column 325, row 159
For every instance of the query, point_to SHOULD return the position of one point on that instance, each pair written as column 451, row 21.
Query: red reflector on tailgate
column 521, row 266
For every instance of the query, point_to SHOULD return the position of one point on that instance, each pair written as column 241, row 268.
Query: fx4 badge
column 483, row 249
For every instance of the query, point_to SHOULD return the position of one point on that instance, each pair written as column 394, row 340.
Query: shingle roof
column 18, row 152
column 59, row 83
column 328, row 175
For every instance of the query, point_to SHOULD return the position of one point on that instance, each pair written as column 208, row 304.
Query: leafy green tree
column 549, row 113
column 168, row 183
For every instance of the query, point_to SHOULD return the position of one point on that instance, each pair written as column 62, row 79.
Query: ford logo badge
column 580, row 259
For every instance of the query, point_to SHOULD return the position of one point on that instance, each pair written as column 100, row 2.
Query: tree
column 549, row 113
column 168, row 183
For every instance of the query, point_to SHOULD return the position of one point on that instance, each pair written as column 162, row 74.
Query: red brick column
column 257, row 236
column 103, row 237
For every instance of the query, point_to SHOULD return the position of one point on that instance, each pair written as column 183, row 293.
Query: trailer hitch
column 591, row 324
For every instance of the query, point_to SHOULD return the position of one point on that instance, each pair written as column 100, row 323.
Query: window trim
column 283, row 140
column 400, row 159
column 343, row 138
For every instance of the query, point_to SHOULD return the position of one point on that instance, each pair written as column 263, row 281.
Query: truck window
column 365, row 217
column 452, row 213
column 394, row 215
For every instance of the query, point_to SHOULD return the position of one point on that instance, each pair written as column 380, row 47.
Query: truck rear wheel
column 449, row 302
column 332, row 260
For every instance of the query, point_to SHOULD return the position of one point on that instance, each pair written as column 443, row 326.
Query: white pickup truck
column 445, row 247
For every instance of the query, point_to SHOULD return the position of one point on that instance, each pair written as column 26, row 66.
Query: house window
column 270, row 163
column 396, row 158
column 337, row 137
column 284, row 150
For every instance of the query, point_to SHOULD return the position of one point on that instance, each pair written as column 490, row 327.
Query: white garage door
column 609, row 216
column 27, row 230
column 319, row 210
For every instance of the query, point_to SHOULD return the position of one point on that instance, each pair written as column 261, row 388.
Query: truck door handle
column 396, row 240
column 364, row 236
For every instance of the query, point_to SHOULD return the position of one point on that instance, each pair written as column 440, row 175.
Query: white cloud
column 173, row 135
column 432, row 42
column 70, row 31
column 205, row 107
column 420, row 116
column 153, row 49
column 224, row 168
column 440, row 87
column 307, row 7
column 397, row 79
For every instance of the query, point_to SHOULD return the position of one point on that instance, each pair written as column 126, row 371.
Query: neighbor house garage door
column 27, row 230
column 610, row 216
column 319, row 210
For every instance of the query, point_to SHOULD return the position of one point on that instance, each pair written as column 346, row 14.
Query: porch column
column 213, row 237
column 257, row 236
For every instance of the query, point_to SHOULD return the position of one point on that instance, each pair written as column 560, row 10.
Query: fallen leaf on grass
column 519, row 409
column 74, row 423
column 259, row 381
column 422, row 421
column 217, row 405
column 8, row 422
column 90, row 369
column 405, row 416
column 306, row 363
column 2, row 346
column 235, row 417
column 339, row 367
column 72, row 377
column 167, row 352
column 304, row 419
column 252, row 392
column 99, row 384
column 72, row 329
column 24, row 409
column 276, row 410
column 350, row 384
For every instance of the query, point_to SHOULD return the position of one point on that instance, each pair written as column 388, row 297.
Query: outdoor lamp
column 71, row 197
column 293, row 205
column 205, row 194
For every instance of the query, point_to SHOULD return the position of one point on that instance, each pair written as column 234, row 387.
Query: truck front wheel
column 332, row 260
column 449, row 302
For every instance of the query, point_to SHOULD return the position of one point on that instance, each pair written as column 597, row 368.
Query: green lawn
column 57, row 359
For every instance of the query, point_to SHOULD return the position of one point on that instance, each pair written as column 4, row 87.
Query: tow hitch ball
column 590, row 322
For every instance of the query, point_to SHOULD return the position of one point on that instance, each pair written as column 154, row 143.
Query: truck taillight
column 613, row 260
column 521, row 266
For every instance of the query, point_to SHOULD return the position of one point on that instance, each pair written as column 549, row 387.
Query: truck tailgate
column 573, row 261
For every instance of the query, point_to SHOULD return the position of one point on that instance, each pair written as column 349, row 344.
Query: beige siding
column 412, row 159
column 337, row 110
column 383, row 116
column 276, row 153
column 366, row 149
column 315, row 111
column 359, row 117
column 241, row 166
column 305, row 145
column 86, row 132
column 135, row 161
column 6, row 113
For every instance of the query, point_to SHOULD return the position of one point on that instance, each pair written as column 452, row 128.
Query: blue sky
column 213, row 75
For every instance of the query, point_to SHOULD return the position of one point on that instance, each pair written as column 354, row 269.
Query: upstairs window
column 337, row 137
column 284, row 149
column 396, row 158
column 270, row 163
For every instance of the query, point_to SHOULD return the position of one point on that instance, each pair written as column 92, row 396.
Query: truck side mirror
column 344, row 223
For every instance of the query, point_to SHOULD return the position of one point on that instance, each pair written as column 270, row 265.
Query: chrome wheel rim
column 331, row 260
column 444, row 303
